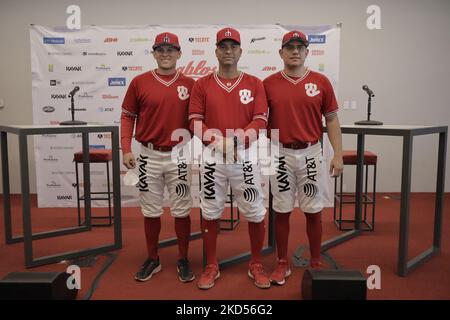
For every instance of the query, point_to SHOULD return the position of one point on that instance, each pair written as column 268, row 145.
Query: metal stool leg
column 78, row 193
column 109, row 193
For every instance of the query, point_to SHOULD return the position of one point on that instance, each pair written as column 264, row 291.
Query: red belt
column 157, row 148
column 298, row 145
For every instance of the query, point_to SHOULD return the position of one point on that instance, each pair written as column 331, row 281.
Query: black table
column 23, row 131
column 408, row 132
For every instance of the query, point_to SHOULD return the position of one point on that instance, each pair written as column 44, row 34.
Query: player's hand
column 129, row 160
column 336, row 166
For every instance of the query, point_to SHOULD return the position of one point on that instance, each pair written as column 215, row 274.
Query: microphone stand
column 369, row 122
column 72, row 122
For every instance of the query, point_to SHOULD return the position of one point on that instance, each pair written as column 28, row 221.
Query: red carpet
column 429, row 281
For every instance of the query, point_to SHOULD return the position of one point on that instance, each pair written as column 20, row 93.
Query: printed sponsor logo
column 103, row 67
column 139, row 39
column 198, row 52
column 49, row 40
column 50, row 158
column 317, row 38
column 199, row 39
column 143, row 184
column 54, row 122
column 282, row 174
column 62, row 172
column 60, row 53
column 76, row 135
column 81, row 40
column 54, row 83
column 97, row 146
column 116, row 82
column 77, row 109
column 50, row 67
column 196, row 70
column 64, row 197
column 83, row 82
column 132, row 68
column 147, row 52
column 53, row 184
column 109, row 96
column 257, row 51
column 61, row 148
column 48, row 109
column 269, row 68
column 73, row 68
column 48, row 136
column 317, row 52
column 257, row 39
column 110, row 40
column 58, row 96
column 105, row 109
column 321, row 67
column 104, row 135
column 124, row 53
column 85, row 95
column 208, row 176
column 85, row 53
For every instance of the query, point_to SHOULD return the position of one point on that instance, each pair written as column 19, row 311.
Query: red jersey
column 229, row 103
column 160, row 104
column 296, row 105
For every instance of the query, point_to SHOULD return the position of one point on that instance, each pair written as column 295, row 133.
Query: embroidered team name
column 282, row 175
column 143, row 185
column 209, row 191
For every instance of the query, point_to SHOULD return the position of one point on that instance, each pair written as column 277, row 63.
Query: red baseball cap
column 228, row 34
column 166, row 39
column 294, row 35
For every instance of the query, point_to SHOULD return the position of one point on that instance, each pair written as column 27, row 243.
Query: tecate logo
column 48, row 109
column 317, row 38
column 116, row 82
column 48, row 40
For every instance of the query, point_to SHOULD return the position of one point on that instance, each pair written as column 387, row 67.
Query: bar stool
column 350, row 158
column 95, row 156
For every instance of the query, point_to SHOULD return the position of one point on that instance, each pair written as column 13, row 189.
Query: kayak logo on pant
column 208, row 175
column 311, row 168
column 250, row 194
column 182, row 190
column 282, row 175
column 310, row 190
column 143, row 185
column 182, row 169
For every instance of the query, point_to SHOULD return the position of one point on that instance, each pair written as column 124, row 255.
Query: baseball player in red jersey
column 230, row 99
column 298, row 99
column 158, row 101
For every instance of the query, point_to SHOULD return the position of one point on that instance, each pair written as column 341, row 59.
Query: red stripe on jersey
column 296, row 106
column 161, row 105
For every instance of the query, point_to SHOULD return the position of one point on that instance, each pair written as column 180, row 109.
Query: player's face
column 294, row 54
column 166, row 57
column 228, row 53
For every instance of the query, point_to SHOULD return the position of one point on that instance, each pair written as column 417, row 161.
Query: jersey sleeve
column 261, row 108
column 329, row 105
column 130, row 103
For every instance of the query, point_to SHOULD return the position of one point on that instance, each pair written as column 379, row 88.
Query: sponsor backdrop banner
column 102, row 60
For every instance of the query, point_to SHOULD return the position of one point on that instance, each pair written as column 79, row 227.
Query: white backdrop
column 102, row 60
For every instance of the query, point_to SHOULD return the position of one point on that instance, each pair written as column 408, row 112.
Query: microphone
column 72, row 93
column 368, row 91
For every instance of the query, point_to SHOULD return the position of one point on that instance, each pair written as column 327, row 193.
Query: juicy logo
column 208, row 175
column 143, row 185
column 282, row 175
